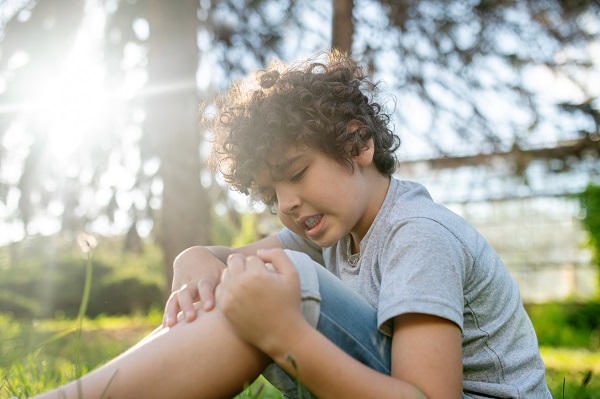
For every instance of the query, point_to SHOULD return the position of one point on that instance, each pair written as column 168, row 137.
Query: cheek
column 288, row 222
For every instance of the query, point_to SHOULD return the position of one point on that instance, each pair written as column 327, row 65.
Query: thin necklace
column 352, row 258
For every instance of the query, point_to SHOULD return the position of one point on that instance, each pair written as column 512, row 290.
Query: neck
column 378, row 186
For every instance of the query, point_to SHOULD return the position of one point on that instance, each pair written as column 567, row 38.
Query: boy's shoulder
column 409, row 207
column 411, row 200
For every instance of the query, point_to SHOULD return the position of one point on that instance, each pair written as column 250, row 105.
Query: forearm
column 329, row 372
column 220, row 252
column 200, row 253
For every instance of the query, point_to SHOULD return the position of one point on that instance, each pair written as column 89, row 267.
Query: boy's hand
column 196, row 274
column 260, row 296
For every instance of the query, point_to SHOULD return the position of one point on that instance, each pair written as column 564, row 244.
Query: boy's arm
column 196, row 273
column 264, row 308
column 426, row 362
column 222, row 252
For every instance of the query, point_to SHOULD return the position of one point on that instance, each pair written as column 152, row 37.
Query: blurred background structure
column 533, row 219
column 497, row 104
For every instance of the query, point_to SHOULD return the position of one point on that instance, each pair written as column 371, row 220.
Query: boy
column 411, row 301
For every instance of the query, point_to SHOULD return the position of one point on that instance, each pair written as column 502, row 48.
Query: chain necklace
column 352, row 258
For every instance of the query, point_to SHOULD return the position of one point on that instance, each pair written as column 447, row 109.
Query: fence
column 542, row 243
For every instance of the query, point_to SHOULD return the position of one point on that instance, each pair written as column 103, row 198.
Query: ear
column 365, row 157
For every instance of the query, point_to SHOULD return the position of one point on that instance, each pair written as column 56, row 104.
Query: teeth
column 312, row 221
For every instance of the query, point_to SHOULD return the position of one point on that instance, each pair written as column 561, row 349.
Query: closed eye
column 298, row 175
column 268, row 198
column 271, row 203
column 272, row 200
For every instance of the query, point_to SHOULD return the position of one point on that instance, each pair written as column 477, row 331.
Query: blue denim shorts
column 340, row 314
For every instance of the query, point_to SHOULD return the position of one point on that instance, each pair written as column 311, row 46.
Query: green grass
column 36, row 356
column 577, row 369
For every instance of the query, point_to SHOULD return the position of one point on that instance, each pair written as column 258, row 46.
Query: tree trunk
column 172, row 123
column 342, row 26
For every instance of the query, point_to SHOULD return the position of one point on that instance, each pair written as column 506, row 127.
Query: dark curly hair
column 306, row 105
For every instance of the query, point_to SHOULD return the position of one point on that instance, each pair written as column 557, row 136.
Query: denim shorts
column 340, row 314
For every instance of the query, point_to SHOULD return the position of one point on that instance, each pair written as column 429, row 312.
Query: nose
column 288, row 200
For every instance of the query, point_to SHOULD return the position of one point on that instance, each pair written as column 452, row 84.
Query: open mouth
column 312, row 223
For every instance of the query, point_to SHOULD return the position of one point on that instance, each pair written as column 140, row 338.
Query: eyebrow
column 283, row 166
column 278, row 170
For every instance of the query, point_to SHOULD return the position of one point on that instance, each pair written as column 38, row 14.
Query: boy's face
column 317, row 197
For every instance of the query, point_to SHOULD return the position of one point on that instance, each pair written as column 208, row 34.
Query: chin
column 323, row 243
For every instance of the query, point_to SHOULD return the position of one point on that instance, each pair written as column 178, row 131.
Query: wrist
column 221, row 253
column 198, row 255
column 281, row 344
column 194, row 252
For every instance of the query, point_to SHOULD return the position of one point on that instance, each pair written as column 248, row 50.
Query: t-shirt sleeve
column 293, row 241
column 422, row 271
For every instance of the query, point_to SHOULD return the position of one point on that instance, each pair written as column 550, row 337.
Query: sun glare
column 68, row 106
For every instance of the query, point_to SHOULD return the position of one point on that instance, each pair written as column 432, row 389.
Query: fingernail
column 190, row 314
column 206, row 304
column 168, row 321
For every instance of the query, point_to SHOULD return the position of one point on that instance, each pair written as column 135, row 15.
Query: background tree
column 150, row 137
column 467, row 77
column 170, row 125
column 342, row 25
column 174, row 51
column 477, row 70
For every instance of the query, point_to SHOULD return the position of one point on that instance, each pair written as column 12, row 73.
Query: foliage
column 457, row 68
column 43, row 277
column 590, row 203
column 569, row 324
column 241, row 228
column 467, row 60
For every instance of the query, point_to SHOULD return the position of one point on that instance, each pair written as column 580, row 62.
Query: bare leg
column 200, row 359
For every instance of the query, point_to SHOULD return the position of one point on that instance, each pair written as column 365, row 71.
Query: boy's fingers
column 186, row 303
column 257, row 264
column 280, row 262
column 206, row 290
column 171, row 310
column 236, row 264
column 269, row 267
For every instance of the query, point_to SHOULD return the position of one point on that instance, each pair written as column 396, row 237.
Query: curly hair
column 306, row 105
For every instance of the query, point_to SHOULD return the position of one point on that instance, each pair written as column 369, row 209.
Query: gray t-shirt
column 419, row 257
